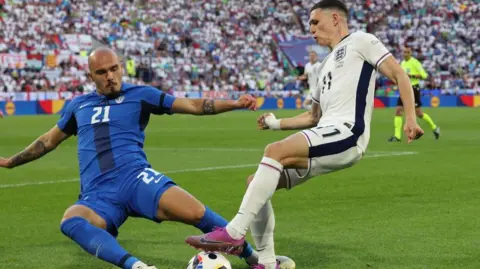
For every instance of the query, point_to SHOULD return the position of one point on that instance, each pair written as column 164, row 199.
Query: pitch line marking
column 211, row 168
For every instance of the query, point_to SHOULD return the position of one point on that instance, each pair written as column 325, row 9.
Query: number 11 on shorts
column 148, row 175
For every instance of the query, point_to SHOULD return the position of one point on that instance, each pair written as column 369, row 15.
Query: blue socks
column 103, row 245
column 211, row 220
column 97, row 242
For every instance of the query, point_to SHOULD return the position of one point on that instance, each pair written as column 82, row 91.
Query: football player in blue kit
column 116, row 179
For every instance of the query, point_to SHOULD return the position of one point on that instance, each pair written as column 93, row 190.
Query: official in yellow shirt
column 415, row 71
column 131, row 67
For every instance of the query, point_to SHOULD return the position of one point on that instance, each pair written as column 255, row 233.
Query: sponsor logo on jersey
column 84, row 105
column 119, row 99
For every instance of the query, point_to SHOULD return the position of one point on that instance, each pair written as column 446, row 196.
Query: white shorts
column 332, row 148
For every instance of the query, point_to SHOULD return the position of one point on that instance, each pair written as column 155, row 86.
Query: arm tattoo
column 36, row 150
column 208, row 106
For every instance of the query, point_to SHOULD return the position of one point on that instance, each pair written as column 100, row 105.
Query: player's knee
column 419, row 114
column 66, row 216
column 81, row 212
column 274, row 151
column 68, row 225
column 399, row 112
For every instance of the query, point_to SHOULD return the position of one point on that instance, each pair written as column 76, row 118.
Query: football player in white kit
column 310, row 74
column 336, row 130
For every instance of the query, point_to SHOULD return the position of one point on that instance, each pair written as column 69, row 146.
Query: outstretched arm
column 391, row 69
column 210, row 106
column 378, row 56
column 302, row 121
column 39, row 148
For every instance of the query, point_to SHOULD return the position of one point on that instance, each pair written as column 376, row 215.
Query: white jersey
column 311, row 70
column 346, row 84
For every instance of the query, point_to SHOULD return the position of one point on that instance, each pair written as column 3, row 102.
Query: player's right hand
column 412, row 130
column 261, row 125
column 5, row 163
column 247, row 101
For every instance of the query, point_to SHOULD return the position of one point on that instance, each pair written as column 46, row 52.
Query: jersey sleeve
column 158, row 101
column 315, row 91
column 372, row 50
column 315, row 94
column 67, row 122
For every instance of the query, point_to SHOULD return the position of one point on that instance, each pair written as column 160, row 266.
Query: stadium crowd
column 445, row 36
column 222, row 44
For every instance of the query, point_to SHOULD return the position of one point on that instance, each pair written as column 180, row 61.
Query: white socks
column 259, row 191
column 262, row 232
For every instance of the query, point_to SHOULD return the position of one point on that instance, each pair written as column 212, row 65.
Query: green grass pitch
column 403, row 207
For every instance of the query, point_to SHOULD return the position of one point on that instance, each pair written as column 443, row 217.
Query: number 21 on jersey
column 148, row 175
column 101, row 114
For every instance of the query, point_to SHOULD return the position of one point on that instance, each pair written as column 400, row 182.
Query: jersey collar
column 341, row 40
column 345, row 37
column 122, row 91
column 124, row 86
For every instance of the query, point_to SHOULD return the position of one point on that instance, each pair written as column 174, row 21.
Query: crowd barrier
column 10, row 108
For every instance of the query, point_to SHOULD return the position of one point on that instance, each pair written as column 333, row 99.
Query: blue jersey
column 111, row 132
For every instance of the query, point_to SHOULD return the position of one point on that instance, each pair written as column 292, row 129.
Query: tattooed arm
column 39, row 148
column 211, row 106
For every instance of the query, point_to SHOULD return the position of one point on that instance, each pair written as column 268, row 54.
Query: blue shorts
column 138, row 196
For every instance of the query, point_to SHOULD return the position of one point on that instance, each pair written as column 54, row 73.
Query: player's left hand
column 413, row 131
column 5, row 163
column 261, row 125
column 247, row 101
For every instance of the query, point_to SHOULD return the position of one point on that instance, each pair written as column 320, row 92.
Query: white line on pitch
column 147, row 149
column 212, row 168
column 203, row 149
column 173, row 149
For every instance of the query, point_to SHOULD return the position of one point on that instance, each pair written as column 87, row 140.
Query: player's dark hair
column 331, row 4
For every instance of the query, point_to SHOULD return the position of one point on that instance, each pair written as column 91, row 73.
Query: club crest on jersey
column 119, row 99
column 340, row 53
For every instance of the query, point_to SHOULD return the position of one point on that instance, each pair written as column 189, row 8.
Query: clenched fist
column 247, row 101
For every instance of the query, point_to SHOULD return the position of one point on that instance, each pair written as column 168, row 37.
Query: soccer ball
column 210, row 260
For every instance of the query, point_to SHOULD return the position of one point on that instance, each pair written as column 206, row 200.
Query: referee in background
column 415, row 71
